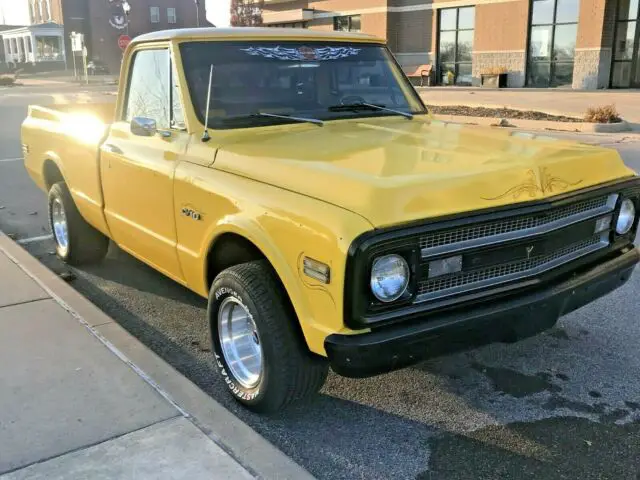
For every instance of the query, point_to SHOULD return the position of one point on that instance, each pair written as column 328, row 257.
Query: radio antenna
column 205, row 136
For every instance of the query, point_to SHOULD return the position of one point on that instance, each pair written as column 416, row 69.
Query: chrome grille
column 515, row 227
column 457, row 283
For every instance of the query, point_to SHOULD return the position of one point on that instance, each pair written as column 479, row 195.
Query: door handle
column 110, row 148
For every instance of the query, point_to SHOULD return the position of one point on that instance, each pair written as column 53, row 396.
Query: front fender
column 283, row 225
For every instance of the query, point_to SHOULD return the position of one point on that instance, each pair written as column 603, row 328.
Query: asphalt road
column 565, row 404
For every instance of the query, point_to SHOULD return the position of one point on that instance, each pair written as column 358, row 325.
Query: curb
column 496, row 106
column 247, row 447
column 622, row 126
column 545, row 125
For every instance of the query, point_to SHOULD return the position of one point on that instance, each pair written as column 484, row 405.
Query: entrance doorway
column 455, row 45
column 552, row 42
column 625, row 71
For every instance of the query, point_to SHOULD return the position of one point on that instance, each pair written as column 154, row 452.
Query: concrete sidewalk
column 76, row 403
column 553, row 101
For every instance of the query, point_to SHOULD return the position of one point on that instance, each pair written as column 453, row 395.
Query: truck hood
column 392, row 171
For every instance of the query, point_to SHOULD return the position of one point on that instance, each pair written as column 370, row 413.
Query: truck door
column 138, row 161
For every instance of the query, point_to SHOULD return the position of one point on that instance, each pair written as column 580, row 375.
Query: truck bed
column 63, row 142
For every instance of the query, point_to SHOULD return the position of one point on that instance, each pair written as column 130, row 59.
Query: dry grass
column 6, row 80
column 603, row 114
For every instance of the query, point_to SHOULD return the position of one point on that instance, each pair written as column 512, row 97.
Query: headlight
column 626, row 217
column 389, row 277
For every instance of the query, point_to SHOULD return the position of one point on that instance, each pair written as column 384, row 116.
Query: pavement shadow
column 122, row 268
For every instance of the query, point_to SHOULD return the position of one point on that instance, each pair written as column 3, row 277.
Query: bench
column 421, row 71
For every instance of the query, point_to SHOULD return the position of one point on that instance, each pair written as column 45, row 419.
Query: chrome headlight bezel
column 400, row 269
column 626, row 216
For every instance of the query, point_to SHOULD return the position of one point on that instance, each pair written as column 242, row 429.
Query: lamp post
column 197, row 12
column 126, row 8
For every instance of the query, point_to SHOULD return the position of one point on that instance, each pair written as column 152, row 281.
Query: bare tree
column 246, row 13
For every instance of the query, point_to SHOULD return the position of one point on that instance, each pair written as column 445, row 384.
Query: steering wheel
column 351, row 99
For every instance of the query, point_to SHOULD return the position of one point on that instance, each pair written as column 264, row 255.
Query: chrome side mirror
column 143, row 127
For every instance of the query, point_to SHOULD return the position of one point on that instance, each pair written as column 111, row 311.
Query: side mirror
column 143, row 127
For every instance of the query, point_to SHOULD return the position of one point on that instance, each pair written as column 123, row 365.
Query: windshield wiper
column 314, row 121
column 368, row 106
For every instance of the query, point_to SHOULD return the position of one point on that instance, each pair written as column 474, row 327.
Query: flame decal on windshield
column 302, row 53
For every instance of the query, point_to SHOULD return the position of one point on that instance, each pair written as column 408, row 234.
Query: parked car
column 327, row 217
column 96, row 67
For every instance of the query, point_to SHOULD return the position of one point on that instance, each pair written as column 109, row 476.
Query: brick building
column 104, row 21
column 38, row 43
column 587, row 44
column 45, row 42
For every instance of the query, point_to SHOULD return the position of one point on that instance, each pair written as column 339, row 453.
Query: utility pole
column 197, row 12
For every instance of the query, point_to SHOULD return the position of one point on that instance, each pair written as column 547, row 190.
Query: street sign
column 124, row 41
column 77, row 42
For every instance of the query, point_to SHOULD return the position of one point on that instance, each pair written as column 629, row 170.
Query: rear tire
column 76, row 241
column 286, row 371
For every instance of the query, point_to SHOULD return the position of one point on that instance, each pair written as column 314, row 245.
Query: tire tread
column 304, row 373
column 86, row 244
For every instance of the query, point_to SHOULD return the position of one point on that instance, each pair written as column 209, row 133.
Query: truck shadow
column 121, row 268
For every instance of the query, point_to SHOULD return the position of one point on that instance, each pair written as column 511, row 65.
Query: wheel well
column 228, row 250
column 51, row 174
column 231, row 249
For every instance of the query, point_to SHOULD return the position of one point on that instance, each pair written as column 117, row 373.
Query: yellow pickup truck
column 296, row 180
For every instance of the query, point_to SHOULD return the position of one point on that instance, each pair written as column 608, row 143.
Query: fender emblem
column 192, row 214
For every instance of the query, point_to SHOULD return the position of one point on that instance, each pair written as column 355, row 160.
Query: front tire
column 258, row 350
column 76, row 241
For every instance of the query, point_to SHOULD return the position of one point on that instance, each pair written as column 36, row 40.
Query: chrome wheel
column 59, row 224
column 240, row 342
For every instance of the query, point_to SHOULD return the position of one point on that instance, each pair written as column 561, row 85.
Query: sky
column 10, row 15
column 218, row 12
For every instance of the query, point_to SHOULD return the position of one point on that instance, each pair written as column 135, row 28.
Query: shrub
column 604, row 114
column 6, row 81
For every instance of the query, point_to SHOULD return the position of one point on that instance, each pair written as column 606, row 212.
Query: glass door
column 455, row 45
column 625, row 71
column 552, row 42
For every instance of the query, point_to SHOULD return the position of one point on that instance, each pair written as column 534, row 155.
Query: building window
column 171, row 16
column 48, row 48
column 155, row 14
column 552, row 42
column 625, row 71
column 347, row 24
column 455, row 45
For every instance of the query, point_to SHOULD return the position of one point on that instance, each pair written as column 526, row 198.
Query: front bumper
column 394, row 347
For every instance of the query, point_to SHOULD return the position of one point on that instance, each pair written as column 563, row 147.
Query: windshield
column 318, row 81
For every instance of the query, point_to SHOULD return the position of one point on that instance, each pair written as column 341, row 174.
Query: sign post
column 84, row 62
column 77, row 46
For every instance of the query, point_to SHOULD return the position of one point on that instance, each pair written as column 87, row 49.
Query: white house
column 35, row 45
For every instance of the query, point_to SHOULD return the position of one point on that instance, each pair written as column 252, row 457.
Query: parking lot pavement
column 564, row 404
